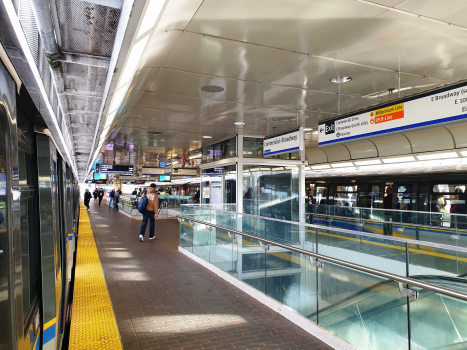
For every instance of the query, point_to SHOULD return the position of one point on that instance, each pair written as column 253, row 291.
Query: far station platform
column 164, row 300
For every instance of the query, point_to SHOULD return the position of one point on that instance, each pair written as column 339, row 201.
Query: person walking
column 87, row 198
column 150, row 212
column 100, row 194
column 94, row 194
column 111, row 197
column 116, row 198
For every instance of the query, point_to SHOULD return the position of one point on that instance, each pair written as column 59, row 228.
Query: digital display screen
column 98, row 176
column 140, row 182
column 117, row 169
column 100, row 182
column 162, row 164
column 164, row 178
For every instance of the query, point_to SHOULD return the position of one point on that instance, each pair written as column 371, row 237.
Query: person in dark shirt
column 100, row 194
column 387, row 202
column 87, row 198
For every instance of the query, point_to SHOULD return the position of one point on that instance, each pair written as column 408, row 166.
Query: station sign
column 282, row 143
column 117, row 169
column 429, row 109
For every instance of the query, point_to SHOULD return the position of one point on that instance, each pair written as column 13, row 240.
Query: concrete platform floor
column 164, row 300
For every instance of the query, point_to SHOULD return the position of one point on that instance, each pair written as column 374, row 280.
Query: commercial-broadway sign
column 282, row 143
column 441, row 106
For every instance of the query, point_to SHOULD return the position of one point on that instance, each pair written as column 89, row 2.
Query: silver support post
column 239, row 196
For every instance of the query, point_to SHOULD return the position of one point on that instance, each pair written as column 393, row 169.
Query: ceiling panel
column 187, row 84
column 451, row 11
column 294, row 25
column 220, row 57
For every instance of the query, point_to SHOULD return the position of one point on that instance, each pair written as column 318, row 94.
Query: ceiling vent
column 212, row 88
column 155, row 132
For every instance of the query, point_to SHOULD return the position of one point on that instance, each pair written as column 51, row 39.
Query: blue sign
column 2, row 184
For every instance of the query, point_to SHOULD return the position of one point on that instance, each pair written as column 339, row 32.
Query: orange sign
column 389, row 113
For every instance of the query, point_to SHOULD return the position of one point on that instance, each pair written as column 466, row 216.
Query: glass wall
column 271, row 191
column 219, row 185
column 220, row 150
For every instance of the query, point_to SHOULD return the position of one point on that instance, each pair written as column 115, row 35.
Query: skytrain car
column 39, row 209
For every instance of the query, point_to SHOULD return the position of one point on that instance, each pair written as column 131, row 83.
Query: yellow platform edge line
column 93, row 324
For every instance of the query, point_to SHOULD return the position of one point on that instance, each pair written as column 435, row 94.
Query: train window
column 317, row 194
column 345, row 196
column 29, row 230
column 370, row 196
column 406, row 197
column 449, row 188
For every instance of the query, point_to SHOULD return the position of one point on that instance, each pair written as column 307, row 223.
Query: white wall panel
column 426, row 140
column 336, row 153
column 362, row 149
column 459, row 131
column 315, row 155
column 392, row 145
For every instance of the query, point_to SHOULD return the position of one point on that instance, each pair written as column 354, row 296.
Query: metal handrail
column 355, row 233
column 383, row 274
column 406, row 224
column 395, row 210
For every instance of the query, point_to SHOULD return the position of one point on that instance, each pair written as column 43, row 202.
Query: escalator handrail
column 369, row 270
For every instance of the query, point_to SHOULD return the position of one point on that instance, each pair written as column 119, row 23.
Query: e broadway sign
column 441, row 106
column 282, row 143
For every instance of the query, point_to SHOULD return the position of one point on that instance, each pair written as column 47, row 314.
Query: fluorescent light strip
column 151, row 16
column 118, row 98
column 27, row 52
column 368, row 162
column 464, row 153
column 398, row 160
column 132, row 61
column 317, row 167
column 342, row 165
column 438, row 156
column 109, row 119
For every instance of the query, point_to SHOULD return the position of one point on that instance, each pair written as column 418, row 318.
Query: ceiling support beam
column 85, row 60
column 71, row 92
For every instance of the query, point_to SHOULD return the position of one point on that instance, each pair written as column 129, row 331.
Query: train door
column 8, row 332
column 50, row 239
column 406, row 195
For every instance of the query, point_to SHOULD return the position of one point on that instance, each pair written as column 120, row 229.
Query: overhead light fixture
column 342, row 165
column 340, row 80
column 207, row 137
column 464, row 153
column 118, row 98
column 212, row 88
column 398, row 160
column 174, row 162
column 318, row 167
column 132, row 61
column 195, row 156
column 368, row 162
column 151, row 16
column 438, row 156
column 239, row 123
column 307, row 129
column 196, row 141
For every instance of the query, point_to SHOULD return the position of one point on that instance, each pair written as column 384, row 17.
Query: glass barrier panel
column 428, row 261
column 437, row 321
column 253, row 263
column 186, row 235
column 364, row 310
column 223, row 251
column 201, row 240
column 378, row 253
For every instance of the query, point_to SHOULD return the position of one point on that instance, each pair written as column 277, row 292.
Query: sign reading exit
column 433, row 108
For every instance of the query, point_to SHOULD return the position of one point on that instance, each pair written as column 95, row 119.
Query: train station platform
column 164, row 300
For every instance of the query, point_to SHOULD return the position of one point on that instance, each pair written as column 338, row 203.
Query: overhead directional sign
column 117, row 169
column 433, row 108
column 283, row 143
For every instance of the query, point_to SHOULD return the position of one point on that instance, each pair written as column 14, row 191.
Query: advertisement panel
column 430, row 109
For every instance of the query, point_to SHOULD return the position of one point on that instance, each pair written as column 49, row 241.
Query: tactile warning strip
column 93, row 324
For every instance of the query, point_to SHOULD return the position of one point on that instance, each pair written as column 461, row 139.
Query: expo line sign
column 429, row 109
